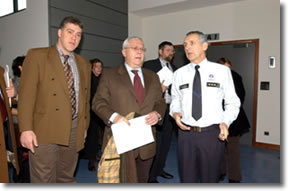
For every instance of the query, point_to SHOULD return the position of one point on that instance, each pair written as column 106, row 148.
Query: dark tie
column 168, row 66
column 70, row 82
column 197, row 97
column 3, row 108
column 139, row 90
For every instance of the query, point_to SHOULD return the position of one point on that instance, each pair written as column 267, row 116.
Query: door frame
column 255, row 93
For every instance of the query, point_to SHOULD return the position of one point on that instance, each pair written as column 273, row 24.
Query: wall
column 23, row 30
column 248, row 19
column 105, row 26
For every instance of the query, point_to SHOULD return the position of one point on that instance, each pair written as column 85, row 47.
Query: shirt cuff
column 113, row 116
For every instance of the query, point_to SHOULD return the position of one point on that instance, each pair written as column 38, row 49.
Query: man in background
column 164, row 131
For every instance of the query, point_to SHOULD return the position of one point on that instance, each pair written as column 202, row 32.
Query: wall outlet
column 266, row 133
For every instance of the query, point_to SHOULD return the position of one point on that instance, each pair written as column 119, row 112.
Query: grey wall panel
column 108, row 59
column 91, row 25
column 90, row 9
column 105, row 26
column 118, row 5
column 95, row 43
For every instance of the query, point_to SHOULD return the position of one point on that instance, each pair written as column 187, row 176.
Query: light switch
column 272, row 62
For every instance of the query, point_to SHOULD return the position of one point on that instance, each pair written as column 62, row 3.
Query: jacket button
column 57, row 109
column 54, row 94
column 52, row 79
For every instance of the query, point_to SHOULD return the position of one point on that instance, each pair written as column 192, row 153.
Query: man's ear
column 59, row 33
column 124, row 52
column 205, row 46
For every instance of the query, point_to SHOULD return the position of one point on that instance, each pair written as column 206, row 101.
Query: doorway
column 243, row 55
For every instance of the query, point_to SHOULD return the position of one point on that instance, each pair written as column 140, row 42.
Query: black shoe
column 153, row 181
column 166, row 175
column 222, row 177
column 91, row 166
column 234, row 181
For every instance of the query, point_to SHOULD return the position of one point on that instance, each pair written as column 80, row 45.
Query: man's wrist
column 159, row 116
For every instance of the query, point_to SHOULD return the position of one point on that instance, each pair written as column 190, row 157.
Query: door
column 242, row 55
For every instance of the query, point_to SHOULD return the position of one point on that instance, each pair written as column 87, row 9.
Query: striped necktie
column 70, row 82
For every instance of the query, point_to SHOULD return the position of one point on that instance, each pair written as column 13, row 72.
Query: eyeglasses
column 137, row 49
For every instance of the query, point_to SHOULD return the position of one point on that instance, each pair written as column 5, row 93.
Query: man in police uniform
column 197, row 93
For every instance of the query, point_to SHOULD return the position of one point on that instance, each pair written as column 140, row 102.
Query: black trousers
column 163, row 141
column 94, row 139
column 200, row 155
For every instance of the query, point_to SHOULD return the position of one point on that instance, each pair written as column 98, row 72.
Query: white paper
column 167, row 75
column 6, row 78
column 130, row 137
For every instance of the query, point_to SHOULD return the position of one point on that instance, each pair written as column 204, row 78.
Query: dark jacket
column 241, row 124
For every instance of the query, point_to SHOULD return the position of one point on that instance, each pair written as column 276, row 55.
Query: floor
column 258, row 166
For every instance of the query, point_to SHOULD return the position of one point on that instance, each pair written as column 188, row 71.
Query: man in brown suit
column 7, row 134
column 54, row 105
column 117, row 96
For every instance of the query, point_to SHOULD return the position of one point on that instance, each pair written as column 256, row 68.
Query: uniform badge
column 211, row 77
column 213, row 84
column 183, row 86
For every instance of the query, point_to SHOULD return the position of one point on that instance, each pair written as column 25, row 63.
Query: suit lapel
column 147, row 82
column 81, row 74
column 55, row 61
column 124, row 76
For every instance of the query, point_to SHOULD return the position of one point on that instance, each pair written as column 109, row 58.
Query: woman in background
column 94, row 137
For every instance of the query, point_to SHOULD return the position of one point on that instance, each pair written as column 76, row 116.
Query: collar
column 71, row 54
column 128, row 68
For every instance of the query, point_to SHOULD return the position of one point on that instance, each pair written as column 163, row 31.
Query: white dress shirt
column 216, row 84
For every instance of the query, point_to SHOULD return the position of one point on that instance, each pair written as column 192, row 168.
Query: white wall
column 248, row 19
column 24, row 30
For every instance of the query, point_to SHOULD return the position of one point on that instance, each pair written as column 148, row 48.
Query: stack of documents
column 130, row 137
column 167, row 75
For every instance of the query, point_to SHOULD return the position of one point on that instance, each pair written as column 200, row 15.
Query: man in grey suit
column 130, row 88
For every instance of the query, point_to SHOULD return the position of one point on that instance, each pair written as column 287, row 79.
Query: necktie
column 197, row 97
column 168, row 66
column 139, row 90
column 3, row 108
column 70, row 81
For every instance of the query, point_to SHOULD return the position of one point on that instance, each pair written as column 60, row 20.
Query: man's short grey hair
column 126, row 41
column 201, row 35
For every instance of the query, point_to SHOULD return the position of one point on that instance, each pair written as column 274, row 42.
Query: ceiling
column 156, row 7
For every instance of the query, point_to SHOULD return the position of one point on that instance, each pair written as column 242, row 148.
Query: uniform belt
column 202, row 129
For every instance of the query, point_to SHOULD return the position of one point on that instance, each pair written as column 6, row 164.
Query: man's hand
column 11, row 90
column 223, row 131
column 152, row 118
column 177, row 116
column 164, row 88
column 28, row 140
column 120, row 118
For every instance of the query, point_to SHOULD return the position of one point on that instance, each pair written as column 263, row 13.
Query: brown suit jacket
column 116, row 93
column 44, row 105
column 3, row 164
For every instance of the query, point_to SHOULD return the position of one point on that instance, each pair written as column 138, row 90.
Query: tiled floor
column 258, row 166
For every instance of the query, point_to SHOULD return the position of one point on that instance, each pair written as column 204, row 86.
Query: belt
column 199, row 129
